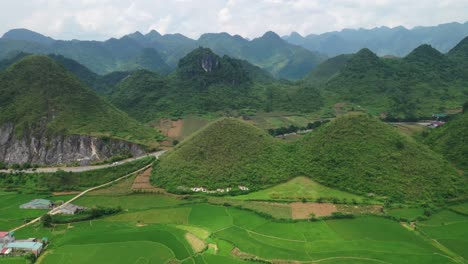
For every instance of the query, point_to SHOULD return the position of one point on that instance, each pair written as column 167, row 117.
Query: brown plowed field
column 142, row 182
column 303, row 210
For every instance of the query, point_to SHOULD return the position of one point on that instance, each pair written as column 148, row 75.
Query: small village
column 10, row 246
column 219, row 190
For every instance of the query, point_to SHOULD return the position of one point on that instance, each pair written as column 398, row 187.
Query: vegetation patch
column 300, row 188
column 37, row 88
column 360, row 154
column 177, row 216
column 227, row 153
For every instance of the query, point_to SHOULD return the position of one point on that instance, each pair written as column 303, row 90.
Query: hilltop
column 39, row 95
column 360, row 154
column 226, row 153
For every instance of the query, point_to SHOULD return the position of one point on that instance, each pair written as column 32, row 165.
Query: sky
column 103, row 19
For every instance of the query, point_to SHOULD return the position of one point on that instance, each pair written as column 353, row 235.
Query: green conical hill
column 361, row 154
column 226, row 153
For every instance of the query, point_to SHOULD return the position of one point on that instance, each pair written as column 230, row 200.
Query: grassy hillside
column 327, row 69
column 362, row 155
column 38, row 93
column 452, row 140
column 226, row 153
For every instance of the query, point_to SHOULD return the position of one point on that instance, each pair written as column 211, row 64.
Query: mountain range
column 397, row 41
column 291, row 57
column 161, row 53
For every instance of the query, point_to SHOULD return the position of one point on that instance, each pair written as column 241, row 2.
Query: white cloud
column 163, row 24
column 224, row 15
column 101, row 19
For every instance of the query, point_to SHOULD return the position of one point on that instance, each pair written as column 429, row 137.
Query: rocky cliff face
column 209, row 62
column 60, row 149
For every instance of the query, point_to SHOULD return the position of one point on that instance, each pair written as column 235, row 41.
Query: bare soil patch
column 339, row 108
column 197, row 244
column 214, row 247
column 304, row 210
column 171, row 128
column 238, row 253
column 142, row 183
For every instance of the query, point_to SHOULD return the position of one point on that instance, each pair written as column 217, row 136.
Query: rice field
column 154, row 228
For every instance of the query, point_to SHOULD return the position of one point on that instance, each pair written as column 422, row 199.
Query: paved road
column 86, row 168
column 54, row 211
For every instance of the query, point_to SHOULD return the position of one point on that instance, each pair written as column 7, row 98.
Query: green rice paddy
column 152, row 234
column 152, row 228
column 408, row 214
column 300, row 188
column 449, row 229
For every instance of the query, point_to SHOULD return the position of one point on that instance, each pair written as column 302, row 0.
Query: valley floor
column 159, row 228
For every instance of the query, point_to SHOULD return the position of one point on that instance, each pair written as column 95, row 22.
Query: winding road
column 83, row 168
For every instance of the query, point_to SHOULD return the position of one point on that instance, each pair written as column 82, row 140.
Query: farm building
column 70, row 209
column 4, row 251
column 6, row 237
column 38, row 204
column 34, row 247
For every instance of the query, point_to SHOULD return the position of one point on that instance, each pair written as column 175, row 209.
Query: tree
column 46, row 220
column 30, row 257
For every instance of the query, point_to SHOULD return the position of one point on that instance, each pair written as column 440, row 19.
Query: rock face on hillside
column 209, row 62
column 60, row 149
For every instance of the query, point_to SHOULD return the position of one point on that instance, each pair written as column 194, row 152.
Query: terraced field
column 156, row 228
column 153, row 229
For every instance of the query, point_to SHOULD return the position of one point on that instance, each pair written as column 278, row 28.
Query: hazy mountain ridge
column 397, row 41
column 161, row 53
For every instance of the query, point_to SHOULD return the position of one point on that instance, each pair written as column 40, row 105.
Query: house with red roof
column 6, row 237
